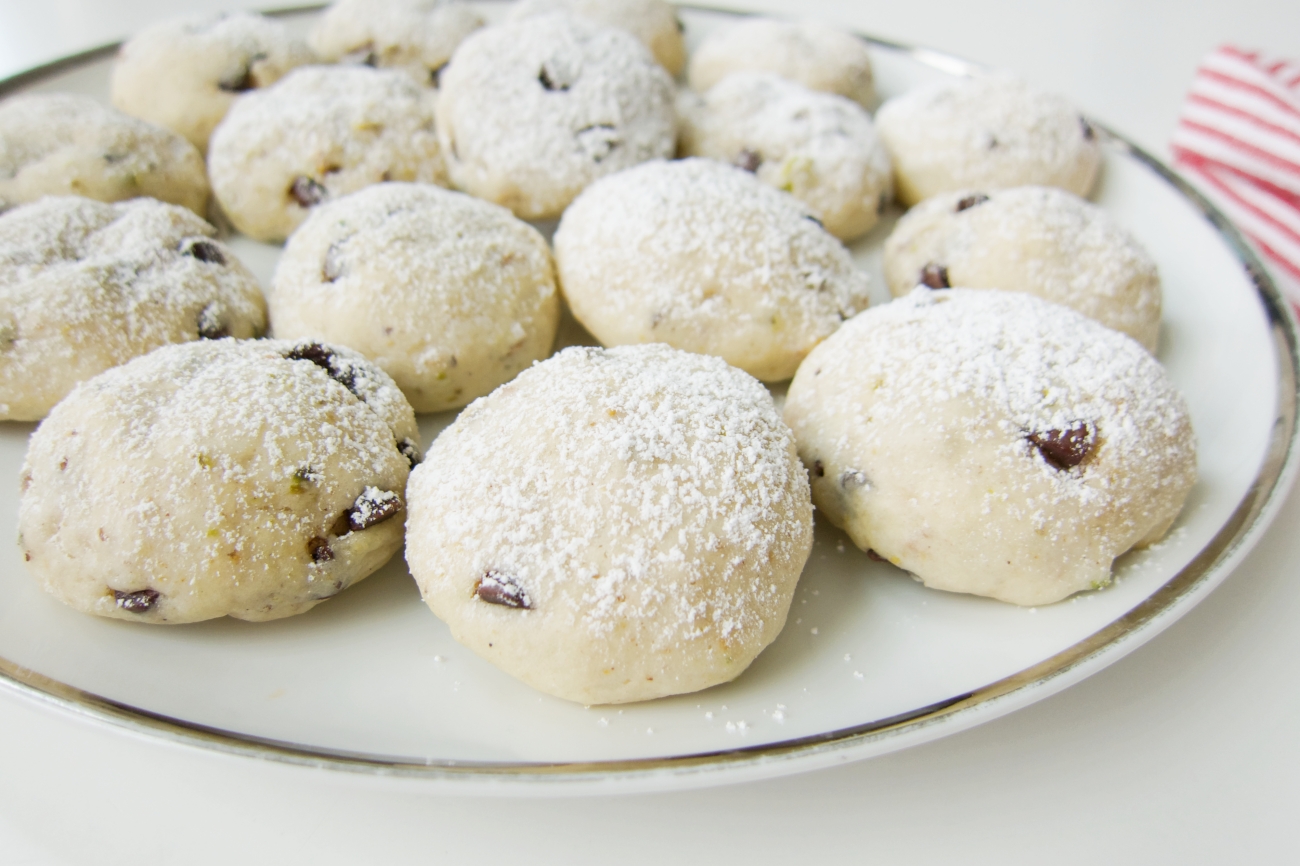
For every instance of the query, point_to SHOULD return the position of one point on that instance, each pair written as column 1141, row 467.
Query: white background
column 1187, row 751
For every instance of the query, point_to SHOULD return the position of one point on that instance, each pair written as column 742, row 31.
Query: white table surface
column 1186, row 751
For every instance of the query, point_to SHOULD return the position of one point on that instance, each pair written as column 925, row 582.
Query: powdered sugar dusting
column 654, row 22
column 1041, row 367
column 67, row 144
column 986, row 132
column 419, row 238
column 1033, row 239
column 532, row 111
column 88, row 285
column 213, row 473
column 819, row 147
column 707, row 258
column 655, row 487
column 451, row 295
column 338, row 127
column 810, row 52
column 1011, row 447
column 416, row 36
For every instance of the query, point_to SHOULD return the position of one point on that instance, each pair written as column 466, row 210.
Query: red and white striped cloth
column 1238, row 139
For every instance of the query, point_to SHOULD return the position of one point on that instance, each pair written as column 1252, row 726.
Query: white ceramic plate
column 869, row 661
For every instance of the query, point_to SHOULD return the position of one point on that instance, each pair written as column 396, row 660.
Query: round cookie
column 184, row 74
column 992, row 442
column 85, row 286
column 251, row 479
column 449, row 295
column 614, row 525
column 818, row 56
column 65, row 144
column 819, row 147
column 414, row 36
column 705, row 257
column 987, row 132
column 319, row 132
column 1039, row 240
column 654, row 22
column 531, row 111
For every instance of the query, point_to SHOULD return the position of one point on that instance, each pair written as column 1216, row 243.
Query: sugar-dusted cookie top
column 67, row 144
column 614, row 525
column 85, row 286
column 992, row 442
column 320, row 132
column 532, row 111
column 986, row 132
column 185, row 73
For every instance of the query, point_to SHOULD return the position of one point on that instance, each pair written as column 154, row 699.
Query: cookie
column 250, row 479
column 532, row 111
column 654, row 22
column 414, row 36
column 819, row 147
column 992, row 442
column 818, row 56
column 184, row 74
column 85, row 286
column 65, row 144
column 987, row 132
column 319, row 132
column 449, row 295
column 705, row 257
column 614, row 525
column 1039, row 240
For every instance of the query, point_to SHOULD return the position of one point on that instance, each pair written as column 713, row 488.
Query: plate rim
column 1211, row 565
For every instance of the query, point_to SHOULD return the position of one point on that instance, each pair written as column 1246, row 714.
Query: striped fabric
column 1238, row 139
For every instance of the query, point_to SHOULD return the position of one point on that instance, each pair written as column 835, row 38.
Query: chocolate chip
column 810, row 217
column 372, row 506
column 204, row 251
column 307, row 192
column 551, row 80
column 497, row 588
column 1064, row 449
column 211, row 327
column 970, row 201
column 819, row 469
column 319, row 549
column 851, row 478
column 332, row 268
column 1088, row 132
column 316, row 354
column 243, row 81
column 748, row 160
column 323, row 358
column 880, row 206
column 875, row 557
column 935, row 276
column 140, row 601
column 681, row 28
column 599, row 140
column 409, row 450
column 435, row 75
column 992, row 142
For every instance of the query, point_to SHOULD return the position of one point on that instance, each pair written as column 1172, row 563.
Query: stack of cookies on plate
column 607, row 524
